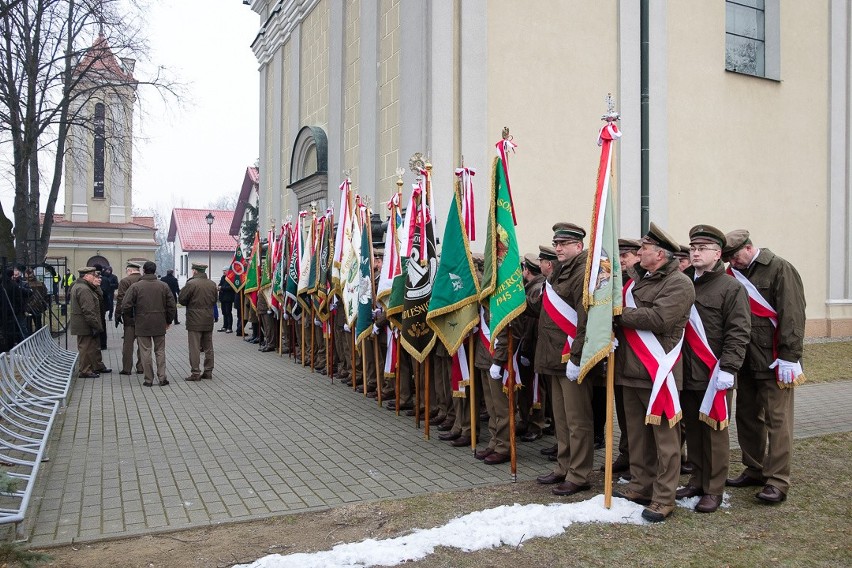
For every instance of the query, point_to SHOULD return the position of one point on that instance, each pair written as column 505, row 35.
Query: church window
column 99, row 150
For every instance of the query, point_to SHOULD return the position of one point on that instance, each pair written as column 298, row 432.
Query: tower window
column 99, row 150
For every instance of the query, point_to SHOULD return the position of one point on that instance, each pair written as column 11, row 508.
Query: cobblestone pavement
column 265, row 437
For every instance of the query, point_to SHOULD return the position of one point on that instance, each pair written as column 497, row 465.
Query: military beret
column 706, row 234
column 568, row 232
column 88, row 270
column 682, row 252
column 658, row 237
column 734, row 241
column 626, row 245
column 546, row 253
column 531, row 263
column 199, row 266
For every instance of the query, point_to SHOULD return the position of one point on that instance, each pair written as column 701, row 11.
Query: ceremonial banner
column 291, row 287
column 279, row 274
column 602, row 296
column 503, row 282
column 364, row 325
column 421, row 267
column 307, row 267
column 396, row 298
column 323, row 271
column 344, row 220
column 350, row 274
column 454, row 308
column 253, row 272
column 237, row 272
column 391, row 263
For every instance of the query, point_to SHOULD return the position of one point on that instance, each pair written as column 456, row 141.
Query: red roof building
column 191, row 234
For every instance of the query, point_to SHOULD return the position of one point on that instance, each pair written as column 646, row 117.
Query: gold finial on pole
column 399, row 182
column 611, row 114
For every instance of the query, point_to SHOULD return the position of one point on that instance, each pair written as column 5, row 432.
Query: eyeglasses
column 702, row 248
column 557, row 244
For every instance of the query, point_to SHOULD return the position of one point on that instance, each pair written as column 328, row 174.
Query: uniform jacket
column 85, row 312
column 529, row 319
column 722, row 303
column 779, row 282
column 567, row 281
column 123, row 285
column 663, row 300
column 151, row 305
column 199, row 295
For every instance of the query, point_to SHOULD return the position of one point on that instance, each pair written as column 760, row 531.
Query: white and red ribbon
column 459, row 373
column 393, row 352
column 659, row 364
column 714, row 406
column 503, row 147
column 468, row 210
column 562, row 315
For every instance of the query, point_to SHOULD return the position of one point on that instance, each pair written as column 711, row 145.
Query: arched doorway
column 98, row 260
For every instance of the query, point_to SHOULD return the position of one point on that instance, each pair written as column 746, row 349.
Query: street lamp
column 210, row 219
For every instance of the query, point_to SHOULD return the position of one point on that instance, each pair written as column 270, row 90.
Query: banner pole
column 474, row 414
column 610, row 394
column 428, row 414
column 513, row 450
column 396, row 371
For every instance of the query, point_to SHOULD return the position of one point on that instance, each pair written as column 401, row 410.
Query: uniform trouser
column 765, row 411
column 127, row 351
column 461, row 409
column 227, row 315
column 270, row 330
column 420, row 372
column 497, row 403
column 443, row 387
column 88, row 346
column 709, row 449
column 200, row 341
column 343, row 346
column 319, row 347
column 622, row 423
column 406, row 378
column 532, row 417
column 654, row 450
column 156, row 343
column 298, row 344
column 575, row 440
column 368, row 346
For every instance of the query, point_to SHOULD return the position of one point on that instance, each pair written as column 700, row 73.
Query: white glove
column 614, row 345
column 346, row 328
column 285, row 315
column 376, row 312
column 524, row 361
column 787, row 371
column 475, row 329
column 496, row 371
column 317, row 323
column 572, row 371
column 375, row 329
column 333, row 305
column 724, row 380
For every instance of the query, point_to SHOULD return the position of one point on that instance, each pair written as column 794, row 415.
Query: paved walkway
column 265, row 437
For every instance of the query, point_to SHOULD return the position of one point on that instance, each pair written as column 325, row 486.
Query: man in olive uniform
column 199, row 295
column 151, row 304
column 772, row 365
column 656, row 312
column 531, row 416
column 132, row 277
column 712, row 355
column 562, row 324
column 85, row 320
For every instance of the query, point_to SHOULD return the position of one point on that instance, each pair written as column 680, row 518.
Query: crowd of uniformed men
column 744, row 328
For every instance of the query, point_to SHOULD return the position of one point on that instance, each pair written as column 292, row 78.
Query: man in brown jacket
column 85, row 321
column 656, row 311
column 772, row 365
column 151, row 304
column 199, row 295
column 532, row 416
column 561, row 326
column 132, row 278
column 713, row 351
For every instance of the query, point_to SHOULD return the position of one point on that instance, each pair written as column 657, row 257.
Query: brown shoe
column 372, row 394
column 771, row 494
column 550, row 478
column 437, row 421
column 657, row 512
column 631, row 495
column 495, row 458
column 620, row 464
column 192, row 378
column 708, row 503
column 481, row 455
column 461, row 442
column 446, row 425
column 550, row 451
column 569, row 488
column 206, row 375
column 744, row 481
column 688, row 491
column 449, row 436
column 686, row 468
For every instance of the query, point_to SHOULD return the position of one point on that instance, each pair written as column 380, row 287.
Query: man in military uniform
column 85, row 320
column 199, row 295
column 548, row 263
column 531, row 414
column 656, row 311
column 712, row 355
column 151, row 305
column 772, row 365
column 132, row 277
column 682, row 257
column 561, row 327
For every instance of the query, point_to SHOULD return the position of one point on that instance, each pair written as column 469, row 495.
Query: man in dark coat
column 84, row 320
column 109, row 284
column 129, row 324
column 226, row 302
column 152, row 306
column 199, row 295
column 772, row 365
column 174, row 288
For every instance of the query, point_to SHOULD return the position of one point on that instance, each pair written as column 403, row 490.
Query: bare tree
column 165, row 253
column 54, row 61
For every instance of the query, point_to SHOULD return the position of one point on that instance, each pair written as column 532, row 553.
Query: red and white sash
column 659, row 364
column 563, row 315
column 714, row 405
column 484, row 331
column 459, row 373
column 393, row 351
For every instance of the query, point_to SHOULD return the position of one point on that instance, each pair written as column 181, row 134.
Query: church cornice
column 279, row 26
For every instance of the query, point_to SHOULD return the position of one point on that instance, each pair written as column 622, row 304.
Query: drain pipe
column 644, row 106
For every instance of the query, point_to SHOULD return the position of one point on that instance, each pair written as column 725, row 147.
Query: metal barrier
column 35, row 377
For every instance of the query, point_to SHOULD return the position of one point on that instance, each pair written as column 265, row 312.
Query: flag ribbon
column 459, row 373
column 714, row 406
column 503, row 146
column 468, row 211
column 659, row 364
